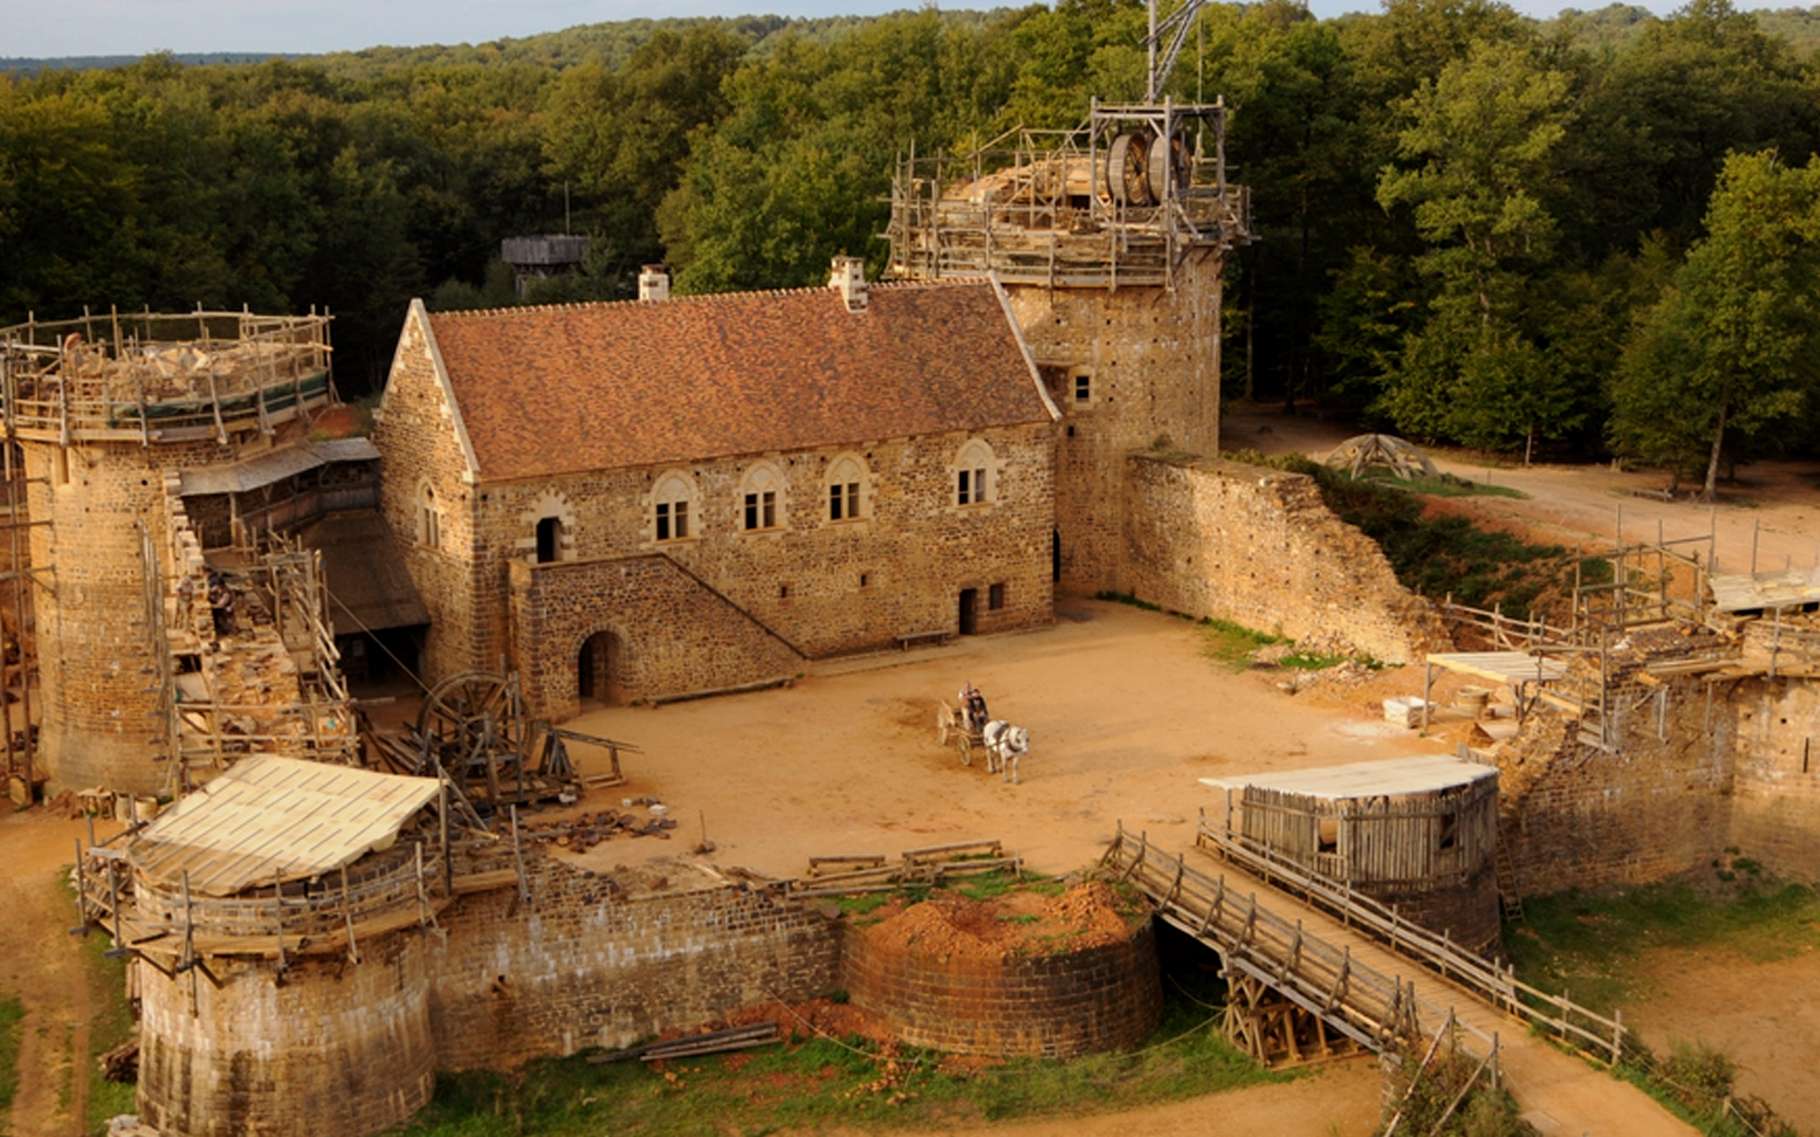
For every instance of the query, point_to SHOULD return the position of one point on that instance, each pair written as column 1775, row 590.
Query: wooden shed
column 1417, row 832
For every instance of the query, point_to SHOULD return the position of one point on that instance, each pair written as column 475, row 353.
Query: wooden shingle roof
column 578, row 387
column 269, row 818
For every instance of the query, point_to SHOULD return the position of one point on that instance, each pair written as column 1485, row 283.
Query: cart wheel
column 965, row 746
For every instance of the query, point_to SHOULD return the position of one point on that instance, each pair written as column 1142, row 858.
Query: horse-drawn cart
column 952, row 728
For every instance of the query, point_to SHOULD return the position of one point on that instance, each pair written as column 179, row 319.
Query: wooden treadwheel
column 472, row 722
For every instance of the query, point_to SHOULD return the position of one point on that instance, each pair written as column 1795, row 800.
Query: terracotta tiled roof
column 576, row 387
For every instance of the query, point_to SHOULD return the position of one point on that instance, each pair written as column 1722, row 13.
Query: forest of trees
column 1594, row 235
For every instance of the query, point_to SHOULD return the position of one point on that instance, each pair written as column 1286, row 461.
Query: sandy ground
column 1124, row 714
column 1759, row 1013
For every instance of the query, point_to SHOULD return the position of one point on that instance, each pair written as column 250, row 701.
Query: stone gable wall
column 1260, row 548
column 418, row 445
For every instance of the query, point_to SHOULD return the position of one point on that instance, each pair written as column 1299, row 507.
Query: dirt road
column 1775, row 508
column 40, row 965
column 1753, row 1010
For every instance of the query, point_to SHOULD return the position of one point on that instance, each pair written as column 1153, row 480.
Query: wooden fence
column 1555, row 1015
column 1377, row 1011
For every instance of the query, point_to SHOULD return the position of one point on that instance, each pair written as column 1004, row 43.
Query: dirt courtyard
column 1125, row 713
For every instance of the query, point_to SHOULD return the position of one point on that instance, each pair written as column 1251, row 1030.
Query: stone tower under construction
column 1109, row 240
column 104, row 411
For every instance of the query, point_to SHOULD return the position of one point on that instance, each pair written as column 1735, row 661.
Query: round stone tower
column 101, row 409
column 1109, row 243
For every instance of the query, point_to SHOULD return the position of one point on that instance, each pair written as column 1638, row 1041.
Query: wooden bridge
column 1313, row 968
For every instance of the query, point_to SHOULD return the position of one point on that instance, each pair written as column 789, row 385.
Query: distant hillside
column 1615, row 25
column 102, row 62
column 610, row 43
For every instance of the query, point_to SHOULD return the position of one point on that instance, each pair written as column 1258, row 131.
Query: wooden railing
column 1555, row 1015
column 1378, row 1011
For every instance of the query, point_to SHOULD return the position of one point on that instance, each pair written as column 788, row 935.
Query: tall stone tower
column 1109, row 241
column 101, row 409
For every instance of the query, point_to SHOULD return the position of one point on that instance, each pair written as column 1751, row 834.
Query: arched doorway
column 597, row 671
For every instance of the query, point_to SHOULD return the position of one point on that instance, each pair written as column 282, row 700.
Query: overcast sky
column 37, row 28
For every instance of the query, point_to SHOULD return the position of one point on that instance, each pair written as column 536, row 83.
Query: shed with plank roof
column 1418, row 832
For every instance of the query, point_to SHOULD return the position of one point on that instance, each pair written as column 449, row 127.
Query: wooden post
column 1617, row 1036
column 278, row 899
column 1428, row 690
column 448, row 862
column 518, row 860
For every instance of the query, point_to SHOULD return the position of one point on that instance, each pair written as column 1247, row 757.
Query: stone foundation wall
column 580, row 965
column 1260, row 548
column 1467, row 911
column 337, row 1048
column 1057, row 1005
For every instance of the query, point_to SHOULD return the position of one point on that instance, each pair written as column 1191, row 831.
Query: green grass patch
column 1584, row 943
column 1230, row 645
column 823, row 1084
column 110, row 1024
column 1445, row 485
column 12, row 1026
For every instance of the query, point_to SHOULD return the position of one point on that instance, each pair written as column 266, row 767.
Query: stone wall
column 336, row 1048
column 1775, row 804
column 1151, row 358
column 584, row 964
column 1580, row 817
column 415, row 431
column 1056, row 1005
column 102, row 719
column 670, row 632
column 1260, row 548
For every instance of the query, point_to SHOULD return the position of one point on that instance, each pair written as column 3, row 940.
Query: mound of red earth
column 1019, row 923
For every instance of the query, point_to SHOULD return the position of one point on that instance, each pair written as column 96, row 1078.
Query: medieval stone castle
column 670, row 497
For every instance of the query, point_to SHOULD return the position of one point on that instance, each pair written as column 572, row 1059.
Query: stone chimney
column 653, row 283
column 849, row 278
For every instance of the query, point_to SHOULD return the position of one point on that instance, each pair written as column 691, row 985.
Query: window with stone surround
column 974, row 474
column 429, row 518
column 848, row 488
column 761, row 497
column 674, row 512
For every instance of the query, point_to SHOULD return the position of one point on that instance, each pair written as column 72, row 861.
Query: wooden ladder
column 1508, row 897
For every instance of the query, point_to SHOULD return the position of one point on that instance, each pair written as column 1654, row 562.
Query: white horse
column 1005, row 744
